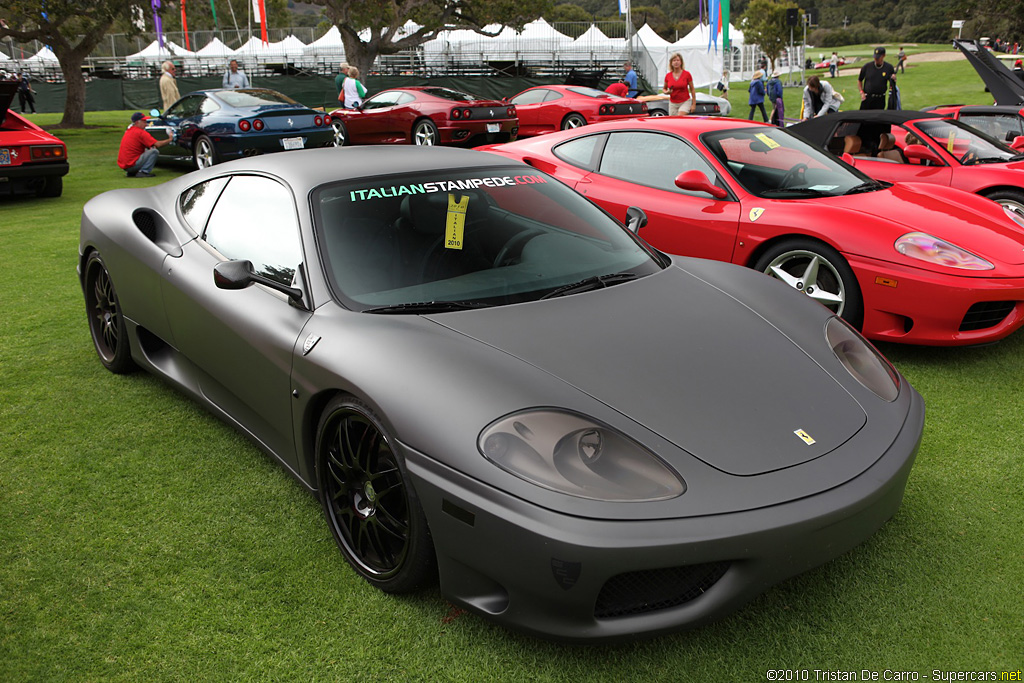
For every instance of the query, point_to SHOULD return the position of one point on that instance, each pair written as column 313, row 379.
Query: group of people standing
column 876, row 80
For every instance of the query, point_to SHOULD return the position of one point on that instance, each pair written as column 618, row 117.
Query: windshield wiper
column 867, row 186
column 587, row 284
column 796, row 191
column 428, row 307
column 994, row 160
column 1016, row 157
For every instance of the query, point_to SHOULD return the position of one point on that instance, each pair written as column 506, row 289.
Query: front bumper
column 576, row 579
column 918, row 306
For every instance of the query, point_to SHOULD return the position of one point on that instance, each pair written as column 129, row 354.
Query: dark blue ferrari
column 211, row 126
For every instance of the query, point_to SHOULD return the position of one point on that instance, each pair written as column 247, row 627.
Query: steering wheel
column 969, row 157
column 513, row 245
column 794, row 176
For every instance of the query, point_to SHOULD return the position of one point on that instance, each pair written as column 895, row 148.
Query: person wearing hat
column 874, row 81
column 1018, row 69
column 138, row 152
column 773, row 93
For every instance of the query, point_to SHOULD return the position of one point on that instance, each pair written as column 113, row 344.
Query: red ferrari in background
column 547, row 108
column 428, row 116
column 1001, row 122
column 901, row 146
column 31, row 160
column 912, row 262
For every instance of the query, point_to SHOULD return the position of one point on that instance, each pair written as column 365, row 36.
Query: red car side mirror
column 695, row 181
column 921, row 153
column 1018, row 143
column 848, row 158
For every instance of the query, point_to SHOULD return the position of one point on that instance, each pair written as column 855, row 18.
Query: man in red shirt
column 138, row 152
column 619, row 88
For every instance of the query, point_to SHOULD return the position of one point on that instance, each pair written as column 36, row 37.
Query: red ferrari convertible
column 547, row 108
column 425, row 116
column 31, row 160
column 911, row 262
column 916, row 146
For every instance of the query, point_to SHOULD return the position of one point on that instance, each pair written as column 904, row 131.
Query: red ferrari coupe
column 912, row 262
column 425, row 116
column 1001, row 122
column 547, row 108
column 916, row 146
column 31, row 160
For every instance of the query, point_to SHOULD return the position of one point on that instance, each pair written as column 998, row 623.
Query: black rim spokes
column 367, row 494
column 105, row 311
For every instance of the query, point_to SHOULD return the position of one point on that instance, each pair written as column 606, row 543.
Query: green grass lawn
column 141, row 539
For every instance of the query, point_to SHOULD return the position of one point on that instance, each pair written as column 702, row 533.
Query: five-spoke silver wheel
column 817, row 270
column 425, row 133
column 204, row 154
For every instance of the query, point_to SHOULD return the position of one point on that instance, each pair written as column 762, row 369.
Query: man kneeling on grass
column 138, row 152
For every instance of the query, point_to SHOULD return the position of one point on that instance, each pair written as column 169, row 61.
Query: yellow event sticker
column 456, row 224
column 771, row 144
column 951, row 141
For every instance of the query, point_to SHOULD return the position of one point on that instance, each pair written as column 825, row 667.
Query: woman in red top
column 679, row 86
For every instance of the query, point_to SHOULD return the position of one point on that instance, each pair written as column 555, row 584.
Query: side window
column 255, row 219
column 208, row 106
column 531, row 96
column 381, row 100
column 653, row 160
column 581, row 152
column 1002, row 127
column 404, row 98
column 197, row 202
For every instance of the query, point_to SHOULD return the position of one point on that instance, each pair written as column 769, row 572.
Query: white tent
column 329, row 44
column 594, row 45
column 153, row 52
column 215, row 49
column 44, row 56
column 289, row 48
column 650, row 38
column 540, row 36
column 254, row 48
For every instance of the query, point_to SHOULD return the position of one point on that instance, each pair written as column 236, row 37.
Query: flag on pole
column 158, row 24
column 213, row 9
column 259, row 10
column 184, row 25
column 726, row 18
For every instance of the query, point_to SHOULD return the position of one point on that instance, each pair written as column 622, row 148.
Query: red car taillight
column 48, row 152
column 257, row 124
column 511, row 112
column 605, row 109
column 244, row 126
column 318, row 121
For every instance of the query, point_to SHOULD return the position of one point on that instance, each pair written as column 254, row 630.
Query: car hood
column 962, row 218
column 735, row 394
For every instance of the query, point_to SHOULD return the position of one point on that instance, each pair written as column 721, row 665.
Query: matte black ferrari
column 489, row 382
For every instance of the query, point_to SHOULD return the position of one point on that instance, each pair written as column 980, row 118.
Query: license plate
column 5, row 156
column 292, row 143
column 493, row 127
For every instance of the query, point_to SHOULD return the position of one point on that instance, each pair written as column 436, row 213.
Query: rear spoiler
column 1004, row 85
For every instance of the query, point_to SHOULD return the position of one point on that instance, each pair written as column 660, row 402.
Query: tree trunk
column 74, row 102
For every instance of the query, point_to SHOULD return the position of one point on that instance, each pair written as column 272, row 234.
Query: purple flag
column 158, row 24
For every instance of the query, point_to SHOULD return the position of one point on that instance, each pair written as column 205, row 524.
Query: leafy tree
column 1002, row 18
column 764, row 25
column 72, row 30
column 384, row 18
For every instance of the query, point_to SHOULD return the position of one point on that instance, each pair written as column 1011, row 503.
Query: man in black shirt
column 874, row 81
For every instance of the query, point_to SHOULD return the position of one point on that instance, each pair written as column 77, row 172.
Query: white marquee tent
column 154, row 53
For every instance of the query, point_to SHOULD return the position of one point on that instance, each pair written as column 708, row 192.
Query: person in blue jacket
column 773, row 93
column 756, row 100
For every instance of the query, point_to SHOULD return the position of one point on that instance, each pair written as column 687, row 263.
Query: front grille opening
column 656, row 589
column 986, row 314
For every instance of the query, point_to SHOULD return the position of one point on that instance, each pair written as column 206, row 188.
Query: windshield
column 969, row 146
column 489, row 236
column 453, row 95
column 254, row 98
column 769, row 162
column 589, row 92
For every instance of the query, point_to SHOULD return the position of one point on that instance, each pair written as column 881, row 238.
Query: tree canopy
column 764, row 24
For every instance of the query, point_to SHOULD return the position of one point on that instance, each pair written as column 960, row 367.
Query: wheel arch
column 986, row 192
column 767, row 244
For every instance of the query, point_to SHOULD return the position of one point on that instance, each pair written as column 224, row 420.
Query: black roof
column 819, row 129
column 990, row 109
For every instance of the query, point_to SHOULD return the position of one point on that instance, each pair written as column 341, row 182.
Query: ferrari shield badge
column 566, row 573
column 755, row 213
column 805, row 437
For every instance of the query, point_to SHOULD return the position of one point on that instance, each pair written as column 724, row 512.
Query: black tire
column 204, row 154
column 53, row 186
column 340, row 133
column 657, row 112
column 425, row 134
column 1012, row 199
column 106, row 322
column 368, row 500
column 573, row 120
column 835, row 286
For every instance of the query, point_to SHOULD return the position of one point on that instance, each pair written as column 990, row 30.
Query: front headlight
column 925, row 247
column 862, row 360
column 1015, row 215
column 571, row 454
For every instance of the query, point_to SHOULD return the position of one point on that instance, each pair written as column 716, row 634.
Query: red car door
column 639, row 169
column 536, row 109
column 897, row 168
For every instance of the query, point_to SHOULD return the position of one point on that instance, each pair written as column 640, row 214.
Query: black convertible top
column 819, row 129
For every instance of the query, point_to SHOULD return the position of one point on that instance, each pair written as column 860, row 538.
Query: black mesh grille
column 488, row 113
column 146, row 224
column 654, row 589
column 986, row 314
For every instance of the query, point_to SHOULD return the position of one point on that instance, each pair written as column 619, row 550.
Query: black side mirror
column 635, row 219
column 240, row 274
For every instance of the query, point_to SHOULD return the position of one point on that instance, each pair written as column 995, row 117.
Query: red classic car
column 1003, row 122
column 911, row 262
column 922, row 147
column 31, row 160
column 547, row 108
column 428, row 115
